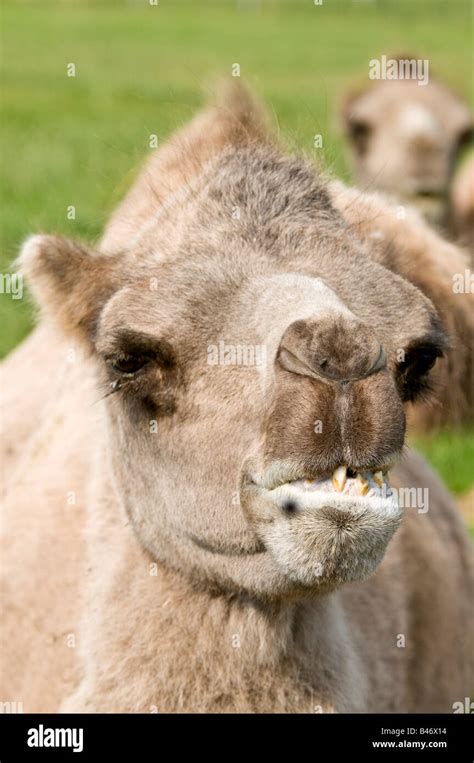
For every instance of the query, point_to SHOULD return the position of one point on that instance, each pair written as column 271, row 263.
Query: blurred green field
column 451, row 453
column 143, row 69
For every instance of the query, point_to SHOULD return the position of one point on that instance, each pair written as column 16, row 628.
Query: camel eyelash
column 144, row 373
column 119, row 384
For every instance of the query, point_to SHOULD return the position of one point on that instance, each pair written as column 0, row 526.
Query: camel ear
column 69, row 282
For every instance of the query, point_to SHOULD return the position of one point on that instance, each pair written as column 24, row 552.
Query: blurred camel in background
column 406, row 140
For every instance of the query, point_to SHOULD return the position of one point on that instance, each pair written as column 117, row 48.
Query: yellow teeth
column 378, row 478
column 339, row 478
column 362, row 484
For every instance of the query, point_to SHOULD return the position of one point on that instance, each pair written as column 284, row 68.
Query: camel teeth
column 339, row 477
column 378, row 478
column 362, row 484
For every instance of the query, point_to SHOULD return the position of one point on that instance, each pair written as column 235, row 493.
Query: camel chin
column 325, row 531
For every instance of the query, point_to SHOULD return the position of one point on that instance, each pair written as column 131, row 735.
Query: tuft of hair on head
column 246, row 115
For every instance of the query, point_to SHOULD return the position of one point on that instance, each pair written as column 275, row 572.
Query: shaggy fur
column 146, row 562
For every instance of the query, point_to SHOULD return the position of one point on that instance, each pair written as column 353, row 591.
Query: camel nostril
column 334, row 348
column 380, row 363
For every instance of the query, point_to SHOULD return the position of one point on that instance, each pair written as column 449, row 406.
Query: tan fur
column 165, row 581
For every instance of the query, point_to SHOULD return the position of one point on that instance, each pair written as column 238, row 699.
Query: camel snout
column 335, row 348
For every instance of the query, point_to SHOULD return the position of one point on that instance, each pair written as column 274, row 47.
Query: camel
column 188, row 530
column 405, row 140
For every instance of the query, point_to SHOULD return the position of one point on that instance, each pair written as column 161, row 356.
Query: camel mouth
column 345, row 489
column 426, row 198
column 324, row 530
column 353, row 491
column 430, row 195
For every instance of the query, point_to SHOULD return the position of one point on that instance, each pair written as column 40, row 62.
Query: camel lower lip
column 362, row 492
column 324, row 530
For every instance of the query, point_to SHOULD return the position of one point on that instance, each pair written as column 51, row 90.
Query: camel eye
column 415, row 368
column 128, row 364
column 465, row 140
column 423, row 362
column 359, row 133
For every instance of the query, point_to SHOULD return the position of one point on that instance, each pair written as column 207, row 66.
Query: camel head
column 255, row 361
column 405, row 139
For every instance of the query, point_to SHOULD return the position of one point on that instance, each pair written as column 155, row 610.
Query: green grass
column 452, row 455
column 143, row 69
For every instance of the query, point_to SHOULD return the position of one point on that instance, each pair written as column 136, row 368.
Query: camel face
column 254, row 375
column 405, row 140
column 252, row 335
